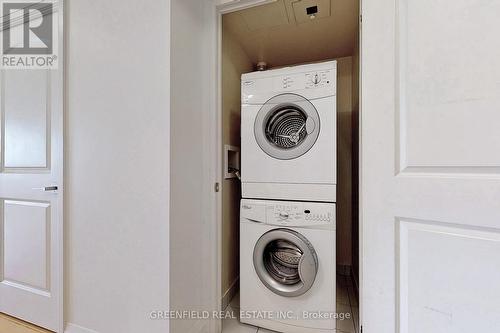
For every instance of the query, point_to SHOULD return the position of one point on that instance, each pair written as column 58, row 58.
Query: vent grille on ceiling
column 300, row 10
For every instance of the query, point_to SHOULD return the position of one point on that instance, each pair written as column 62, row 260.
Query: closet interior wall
column 278, row 34
column 234, row 63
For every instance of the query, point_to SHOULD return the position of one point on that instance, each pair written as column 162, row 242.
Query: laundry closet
column 296, row 36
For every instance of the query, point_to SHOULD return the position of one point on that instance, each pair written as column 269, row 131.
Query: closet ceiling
column 281, row 33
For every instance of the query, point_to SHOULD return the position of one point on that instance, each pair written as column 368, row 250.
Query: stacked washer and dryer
column 288, row 224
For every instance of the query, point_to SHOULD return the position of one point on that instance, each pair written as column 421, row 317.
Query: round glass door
column 287, row 126
column 285, row 262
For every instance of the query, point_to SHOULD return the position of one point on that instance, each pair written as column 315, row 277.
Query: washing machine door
column 287, row 126
column 285, row 262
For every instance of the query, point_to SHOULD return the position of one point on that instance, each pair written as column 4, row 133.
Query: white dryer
column 287, row 266
column 288, row 133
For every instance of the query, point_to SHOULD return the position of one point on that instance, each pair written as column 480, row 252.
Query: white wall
column 117, row 165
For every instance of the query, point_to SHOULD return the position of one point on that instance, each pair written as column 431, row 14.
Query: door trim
column 213, row 126
column 227, row 6
column 61, row 88
column 61, row 85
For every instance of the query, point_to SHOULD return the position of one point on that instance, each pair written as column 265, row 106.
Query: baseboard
column 230, row 293
column 73, row 328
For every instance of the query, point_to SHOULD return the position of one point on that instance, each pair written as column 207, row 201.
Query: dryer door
column 287, row 126
column 285, row 262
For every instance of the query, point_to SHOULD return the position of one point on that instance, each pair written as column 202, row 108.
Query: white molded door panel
column 31, row 225
column 430, row 166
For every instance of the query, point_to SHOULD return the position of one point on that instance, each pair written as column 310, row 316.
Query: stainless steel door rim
column 285, row 262
column 287, row 126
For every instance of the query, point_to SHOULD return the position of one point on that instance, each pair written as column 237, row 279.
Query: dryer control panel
column 311, row 80
column 289, row 213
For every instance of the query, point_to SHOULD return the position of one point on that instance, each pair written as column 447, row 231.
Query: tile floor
column 346, row 302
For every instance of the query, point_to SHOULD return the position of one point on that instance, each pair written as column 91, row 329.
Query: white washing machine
column 287, row 265
column 289, row 132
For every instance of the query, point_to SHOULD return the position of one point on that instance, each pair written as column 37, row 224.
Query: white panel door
column 430, row 166
column 31, row 225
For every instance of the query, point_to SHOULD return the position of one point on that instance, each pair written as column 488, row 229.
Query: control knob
column 316, row 78
column 283, row 215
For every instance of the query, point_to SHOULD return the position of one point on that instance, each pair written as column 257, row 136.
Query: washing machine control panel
column 300, row 213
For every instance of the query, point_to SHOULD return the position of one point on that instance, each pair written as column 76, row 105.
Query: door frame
column 213, row 126
column 216, row 9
